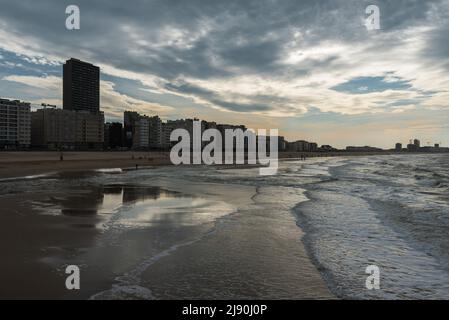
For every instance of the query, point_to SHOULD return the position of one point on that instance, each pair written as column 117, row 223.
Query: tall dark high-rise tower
column 81, row 86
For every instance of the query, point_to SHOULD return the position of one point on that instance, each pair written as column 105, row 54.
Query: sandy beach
column 19, row 164
column 28, row 163
column 148, row 234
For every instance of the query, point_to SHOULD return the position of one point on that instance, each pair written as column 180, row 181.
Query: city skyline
column 337, row 83
column 81, row 76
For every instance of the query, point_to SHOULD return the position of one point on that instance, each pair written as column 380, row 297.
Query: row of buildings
column 65, row 129
column 80, row 124
column 150, row 132
column 415, row 146
column 49, row 127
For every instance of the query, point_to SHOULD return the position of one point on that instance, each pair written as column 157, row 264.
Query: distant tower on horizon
column 81, row 86
column 417, row 143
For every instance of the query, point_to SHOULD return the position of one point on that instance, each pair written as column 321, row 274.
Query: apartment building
column 54, row 128
column 15, row 124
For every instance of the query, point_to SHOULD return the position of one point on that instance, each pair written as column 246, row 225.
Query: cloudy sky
column 308, row 67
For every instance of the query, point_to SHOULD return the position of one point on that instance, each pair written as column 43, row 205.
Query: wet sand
column 28, row 163
column 34, row 248
column 19, row 164
column 172, row 240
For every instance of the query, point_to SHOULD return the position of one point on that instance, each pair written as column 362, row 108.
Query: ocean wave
column 390, row 211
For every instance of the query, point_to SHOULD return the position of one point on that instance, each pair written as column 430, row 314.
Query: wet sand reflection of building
column 103, row 200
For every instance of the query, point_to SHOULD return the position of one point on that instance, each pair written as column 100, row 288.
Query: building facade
column 113, row 135
column 130, row 119
column 89, row 130
column 141, row 137
column 298, row 146
column 155, row 131
column 58, row 129
column 144, row 132
column 15, row 124
column 53, row 129
column 81, row 86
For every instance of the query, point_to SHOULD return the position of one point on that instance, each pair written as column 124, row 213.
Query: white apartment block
column 15, row 124
column 141, row 139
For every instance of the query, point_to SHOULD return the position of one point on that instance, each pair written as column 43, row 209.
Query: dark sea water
column 389, row 211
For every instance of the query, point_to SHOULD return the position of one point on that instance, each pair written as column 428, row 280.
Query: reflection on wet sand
column 102, row 200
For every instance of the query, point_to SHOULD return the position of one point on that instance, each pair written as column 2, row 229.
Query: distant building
column 223, row 127
column 15, row 124
column 362, row 149
column 167, row 128
column 53, row 129
column 144, row 132
column 414, row 145
column 89, row 130
column 171, row 125
column 299, row 146
column 81, row 86
column 113, row 135
column 155, row 131
column 282, row 144
column 327, row 148
column 398, row 147
column 66, row 129
column 417, row 143
column 130, row 119
column 141, row 137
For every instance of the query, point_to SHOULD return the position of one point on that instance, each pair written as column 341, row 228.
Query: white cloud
column 50, row 83
column 112, row 102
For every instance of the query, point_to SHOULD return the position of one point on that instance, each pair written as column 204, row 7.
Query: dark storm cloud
column 208, row 39
column 241, row 107
column 260, row 103
column 102, row 36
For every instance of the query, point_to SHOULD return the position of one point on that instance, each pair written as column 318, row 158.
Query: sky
column 309, row 68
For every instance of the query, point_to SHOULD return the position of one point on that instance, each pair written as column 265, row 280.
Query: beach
column 160, row 233
column 223, row 232
column 25, row 163
column 30, row 163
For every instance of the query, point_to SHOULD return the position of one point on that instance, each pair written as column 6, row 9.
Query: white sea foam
column 110, row 170
column 30, row 177
column 390, row 211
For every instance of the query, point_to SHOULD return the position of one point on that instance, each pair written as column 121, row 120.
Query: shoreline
column 347, row 210
column 21, row 164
